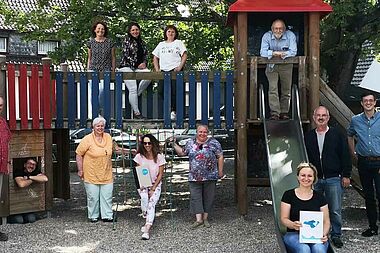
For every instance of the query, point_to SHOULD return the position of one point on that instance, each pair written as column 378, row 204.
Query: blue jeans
column 332, row 189
column 292, row 242
column 369, row 176
column 99, row 195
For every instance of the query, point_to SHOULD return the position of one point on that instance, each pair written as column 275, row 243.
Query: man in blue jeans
column 366, row 127
column 327, row 149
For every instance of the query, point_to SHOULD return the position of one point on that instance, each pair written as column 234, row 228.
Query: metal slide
column 285, row 150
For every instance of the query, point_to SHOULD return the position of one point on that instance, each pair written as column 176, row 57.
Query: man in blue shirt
column 366, row 127
column 279, row 43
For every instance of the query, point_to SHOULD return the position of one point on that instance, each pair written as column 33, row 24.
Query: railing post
column 64, row 69
column 46, row 94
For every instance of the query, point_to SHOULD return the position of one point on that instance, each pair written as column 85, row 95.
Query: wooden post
column 241, row 113
column 314, row 60
column 64, row 69
column 302, row 86
column 253, row 89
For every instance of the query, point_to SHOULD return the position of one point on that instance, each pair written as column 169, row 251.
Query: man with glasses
column 327, row 150
column 279, row 43
column 25, row 177
column 366, row 128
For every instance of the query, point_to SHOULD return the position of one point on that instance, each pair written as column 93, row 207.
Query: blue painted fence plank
column 107, row 97
column 216, row 105
column 118, row 99
column 204, row 97
column 72, row 96
column 192, row 100
column 95, row 94
column 149, row 99
column 229, row 99
column 83, row 100
column 167, row 98
column 180, row 93
column 59, row 99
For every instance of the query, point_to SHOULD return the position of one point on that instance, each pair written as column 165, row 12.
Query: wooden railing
column 38, row 97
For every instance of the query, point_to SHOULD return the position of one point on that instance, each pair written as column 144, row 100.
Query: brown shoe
column 196, row 224
column 284, row 116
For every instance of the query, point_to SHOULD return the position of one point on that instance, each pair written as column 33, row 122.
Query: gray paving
column 69, row 231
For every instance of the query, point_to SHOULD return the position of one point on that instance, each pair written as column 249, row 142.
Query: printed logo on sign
column 145, row 171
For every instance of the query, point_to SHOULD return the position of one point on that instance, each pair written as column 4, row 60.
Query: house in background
column 18, row 50
column 364, row 69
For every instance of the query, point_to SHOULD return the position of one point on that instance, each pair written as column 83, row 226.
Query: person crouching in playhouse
column 24, row 177
column 95, row 168
column 148, row 154
column 303, row 198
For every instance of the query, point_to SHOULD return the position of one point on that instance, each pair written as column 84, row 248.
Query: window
column 47, row 46
column 3, row 44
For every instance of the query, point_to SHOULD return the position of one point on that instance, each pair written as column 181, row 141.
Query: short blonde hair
column 308, row 165
column 98, row 120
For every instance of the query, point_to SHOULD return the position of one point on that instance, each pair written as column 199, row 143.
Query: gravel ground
column 69, row 231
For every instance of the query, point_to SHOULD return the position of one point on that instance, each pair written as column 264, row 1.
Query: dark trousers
column 370, row 177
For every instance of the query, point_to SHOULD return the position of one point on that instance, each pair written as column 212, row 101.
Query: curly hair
column 155, row 146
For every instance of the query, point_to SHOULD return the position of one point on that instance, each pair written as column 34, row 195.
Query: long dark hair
column 129, row 30
column 155, row 146
column 97, row 23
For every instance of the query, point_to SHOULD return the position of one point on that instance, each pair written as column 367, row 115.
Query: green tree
column 344, row 31
column 203, row 28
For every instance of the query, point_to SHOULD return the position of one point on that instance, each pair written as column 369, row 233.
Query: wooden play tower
column 250, row 20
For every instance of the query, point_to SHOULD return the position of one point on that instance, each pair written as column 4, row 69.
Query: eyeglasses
column 148, row 143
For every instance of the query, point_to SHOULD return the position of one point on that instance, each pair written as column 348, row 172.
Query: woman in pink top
column 148, row 156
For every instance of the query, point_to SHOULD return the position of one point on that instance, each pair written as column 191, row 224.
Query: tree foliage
column 203, row 29
column 344, row 32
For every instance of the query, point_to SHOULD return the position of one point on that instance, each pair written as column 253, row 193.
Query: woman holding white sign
column 304, row 198
column 149, row 156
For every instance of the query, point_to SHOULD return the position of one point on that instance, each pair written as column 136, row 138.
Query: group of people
column 169, row 55
column 95, row 168
column 321, row 181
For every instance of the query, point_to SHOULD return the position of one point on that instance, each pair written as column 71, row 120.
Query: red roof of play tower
column 280, row 6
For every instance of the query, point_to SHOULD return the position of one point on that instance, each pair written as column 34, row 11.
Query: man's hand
column 346, row 182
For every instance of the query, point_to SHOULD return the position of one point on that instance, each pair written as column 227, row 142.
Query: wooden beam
column 314, row 47
column 253, row 89
column 241, row 113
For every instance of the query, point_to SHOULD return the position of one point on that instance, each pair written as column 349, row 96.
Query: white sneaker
column 145, row 236
column 173, row 115
column 144, row 230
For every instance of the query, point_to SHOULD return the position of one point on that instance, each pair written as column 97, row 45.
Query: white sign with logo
column 311, row 230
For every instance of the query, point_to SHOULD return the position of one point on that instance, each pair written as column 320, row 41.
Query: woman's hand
column 177, row 69
column 296, row 225
column 151, row 192
column 80, row 174
column 142, row 66
column 324, row 238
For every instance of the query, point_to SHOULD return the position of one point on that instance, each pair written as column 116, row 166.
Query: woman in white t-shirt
column 148, row 154
column 170, row 55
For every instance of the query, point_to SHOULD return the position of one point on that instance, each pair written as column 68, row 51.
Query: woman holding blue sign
column 304, row 198
column 149, row 156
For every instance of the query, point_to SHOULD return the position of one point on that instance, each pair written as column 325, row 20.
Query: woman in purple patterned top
column 205, row 167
